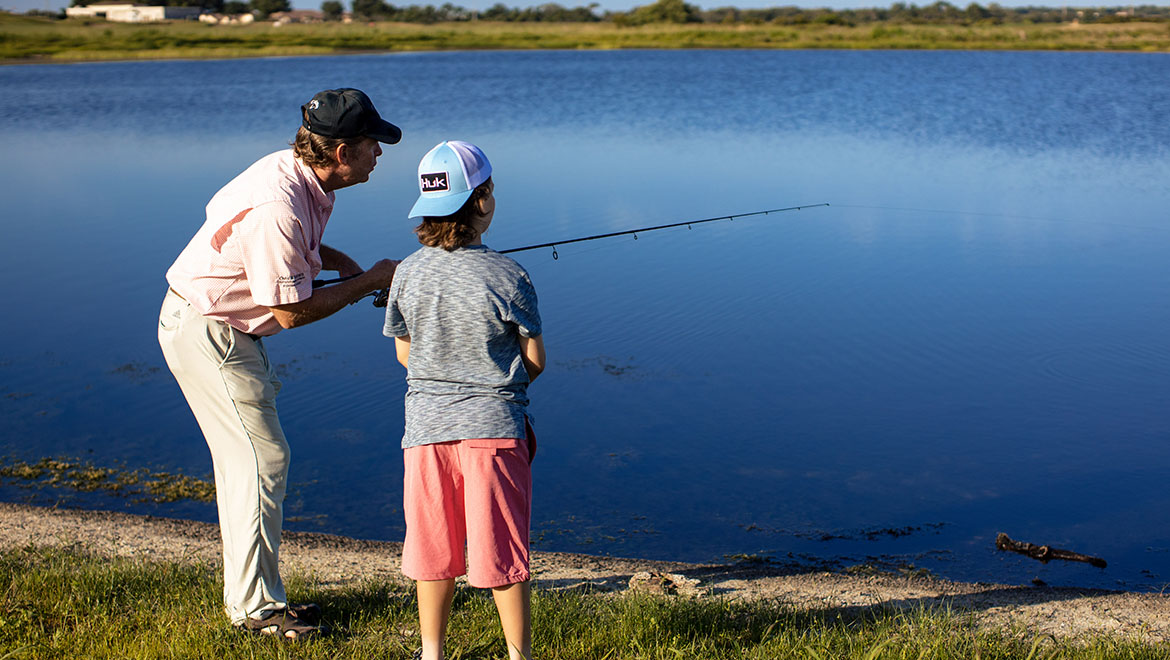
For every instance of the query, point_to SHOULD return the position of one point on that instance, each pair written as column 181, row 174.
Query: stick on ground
column 1043, row 552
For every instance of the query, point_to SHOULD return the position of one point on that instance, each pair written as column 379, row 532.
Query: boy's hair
column 317, row 150
column 454, row 231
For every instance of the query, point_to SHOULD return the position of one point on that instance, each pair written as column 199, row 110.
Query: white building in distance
column 227, row 19
column 122, row 12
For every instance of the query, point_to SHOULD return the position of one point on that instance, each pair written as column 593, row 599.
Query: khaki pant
column 229, row 384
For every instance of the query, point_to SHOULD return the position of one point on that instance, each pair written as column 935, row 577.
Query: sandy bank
column 1062, row 612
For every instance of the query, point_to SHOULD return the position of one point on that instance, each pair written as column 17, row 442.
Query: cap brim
column 384, row 132
column 437, row 207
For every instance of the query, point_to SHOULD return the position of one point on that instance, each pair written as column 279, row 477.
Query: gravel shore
column 333, row 560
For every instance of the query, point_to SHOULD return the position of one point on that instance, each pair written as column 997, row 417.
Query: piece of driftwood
column 1043, row 552
column 654, row 582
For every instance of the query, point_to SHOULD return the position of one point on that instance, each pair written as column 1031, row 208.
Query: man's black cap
column 347, row 113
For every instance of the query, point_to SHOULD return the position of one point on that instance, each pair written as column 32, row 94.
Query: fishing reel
column 381, row 297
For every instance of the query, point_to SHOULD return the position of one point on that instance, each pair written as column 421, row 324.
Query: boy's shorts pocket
column 494, row 444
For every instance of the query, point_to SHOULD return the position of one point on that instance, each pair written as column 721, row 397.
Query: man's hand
column 382, row 273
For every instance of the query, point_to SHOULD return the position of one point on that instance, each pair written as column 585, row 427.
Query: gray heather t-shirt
column 464, row 312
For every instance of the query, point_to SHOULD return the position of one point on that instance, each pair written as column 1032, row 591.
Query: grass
column 140, row 484
column 32, row 39
column 66, row 603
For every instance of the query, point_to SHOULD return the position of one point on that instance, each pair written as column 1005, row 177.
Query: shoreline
column 329, row 560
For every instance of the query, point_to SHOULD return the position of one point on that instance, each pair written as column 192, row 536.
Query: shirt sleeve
column 395, row 323
column 275, row 255
column 523, row 310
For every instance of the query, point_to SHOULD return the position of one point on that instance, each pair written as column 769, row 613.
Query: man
column 248, row 274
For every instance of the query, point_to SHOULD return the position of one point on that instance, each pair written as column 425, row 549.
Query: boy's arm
column 531, row 352
column 402, row 350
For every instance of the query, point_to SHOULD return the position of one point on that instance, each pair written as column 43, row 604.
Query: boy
column 465, row 325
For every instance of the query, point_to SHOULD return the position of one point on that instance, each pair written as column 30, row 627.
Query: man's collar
column 323, row 198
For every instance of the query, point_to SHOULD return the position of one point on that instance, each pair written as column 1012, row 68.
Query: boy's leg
column 434, row 609
column 498, row 496
column 432, row 504
column 432, row 556
column 514, row 603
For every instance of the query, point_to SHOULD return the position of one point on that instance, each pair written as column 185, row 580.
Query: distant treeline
column 939, row 13
column 678, row 11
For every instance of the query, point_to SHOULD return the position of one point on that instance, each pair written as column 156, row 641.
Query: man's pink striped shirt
column 260, row 245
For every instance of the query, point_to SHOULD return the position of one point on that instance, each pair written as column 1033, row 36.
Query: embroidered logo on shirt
column 223, row 233
column 434, row 182
column 290, row 281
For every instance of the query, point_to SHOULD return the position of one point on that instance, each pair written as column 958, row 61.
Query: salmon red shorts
column 477, row 492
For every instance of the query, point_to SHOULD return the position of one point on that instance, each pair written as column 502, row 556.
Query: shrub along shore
column 27, row 39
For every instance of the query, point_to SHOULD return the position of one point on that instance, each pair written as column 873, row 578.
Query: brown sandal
column 310, row 613
column 285, row 623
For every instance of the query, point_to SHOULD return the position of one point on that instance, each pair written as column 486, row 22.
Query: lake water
column 973, row 338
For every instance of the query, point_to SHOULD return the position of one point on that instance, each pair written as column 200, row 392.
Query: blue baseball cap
column 446, row 177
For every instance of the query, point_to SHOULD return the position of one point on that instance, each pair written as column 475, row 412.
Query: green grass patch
column 66, row 603
column 29, row 39
column 139, row 484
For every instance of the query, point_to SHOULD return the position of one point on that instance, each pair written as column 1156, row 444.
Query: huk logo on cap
column 434, row 182
column 314, row 104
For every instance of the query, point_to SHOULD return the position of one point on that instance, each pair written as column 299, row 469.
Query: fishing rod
column 380, row 296
column 643, row 230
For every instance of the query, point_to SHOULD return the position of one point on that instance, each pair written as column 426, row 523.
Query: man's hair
column 317, row 150
column 454, row 231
